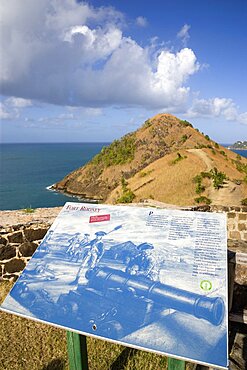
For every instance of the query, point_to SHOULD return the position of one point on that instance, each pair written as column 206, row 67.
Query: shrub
column 179, row 158
column 184, row 138
column 223, row 153
column 206, row 175
column 127, row 197
column 127, row 194
column 147, row 123
column 200, row 146
column 199, row 187
column 186, row 123
column 244, row 202
column 203, row 200
column 241, row 167
column 119, row 152
column 197, row 179
column 239, row 158
column 218, row 178
column 217, row 145
column 207, row 137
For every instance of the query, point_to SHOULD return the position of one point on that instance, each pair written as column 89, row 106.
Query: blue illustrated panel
column 148, row 278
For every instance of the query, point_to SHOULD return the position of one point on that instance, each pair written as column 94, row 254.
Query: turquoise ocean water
column 26, row 170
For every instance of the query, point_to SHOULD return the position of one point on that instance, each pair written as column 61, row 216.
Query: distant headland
column 242, row 145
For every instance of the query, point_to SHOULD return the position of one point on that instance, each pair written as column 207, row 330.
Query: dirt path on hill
column 202, row 155
column 230, row 194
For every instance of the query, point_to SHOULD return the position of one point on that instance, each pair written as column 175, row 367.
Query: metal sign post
column 77, row 351
column 174, row 364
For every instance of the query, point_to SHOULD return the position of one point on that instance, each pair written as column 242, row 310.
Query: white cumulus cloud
column 183, row 34
column 70, row 53
column 141, row 21
column 217, row 107
column 18, row 102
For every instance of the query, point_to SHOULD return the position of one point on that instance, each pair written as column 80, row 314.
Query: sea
column 28, row 170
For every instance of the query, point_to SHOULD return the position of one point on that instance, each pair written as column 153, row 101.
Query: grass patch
column 145, row 173
column 28, row 345
column 29, row 210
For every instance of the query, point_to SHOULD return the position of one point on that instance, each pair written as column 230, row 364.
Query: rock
column 7, row 252
column 238, row 356
column 239, row 298
column 6, row 230
column 27, row 249
column 10, row 277
column 237, row 245
column 2, row 270
column 241, row 275
column 35, row 234
column 15, row 265
column 3, row 240
column 15, row 237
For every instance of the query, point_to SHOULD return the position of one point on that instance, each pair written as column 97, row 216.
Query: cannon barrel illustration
column 208, row 308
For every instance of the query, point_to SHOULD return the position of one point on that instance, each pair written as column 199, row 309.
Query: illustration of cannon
column 114, row 304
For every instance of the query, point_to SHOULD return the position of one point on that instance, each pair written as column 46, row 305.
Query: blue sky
column 86, row 72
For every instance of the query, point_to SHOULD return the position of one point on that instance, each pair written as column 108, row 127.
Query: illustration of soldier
column 73, row 243
column 94, row 251
column 41, row 272
column 144, row 263
column 78, row 252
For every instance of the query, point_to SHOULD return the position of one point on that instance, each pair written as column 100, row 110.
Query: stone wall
column 237, row 225
column 17, row 245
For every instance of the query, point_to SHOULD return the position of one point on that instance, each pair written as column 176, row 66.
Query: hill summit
column 166, row 159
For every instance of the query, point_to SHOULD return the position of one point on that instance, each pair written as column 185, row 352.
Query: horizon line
column 58, row 142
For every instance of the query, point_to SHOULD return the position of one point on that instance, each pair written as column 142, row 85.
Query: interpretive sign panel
column 148, row 278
